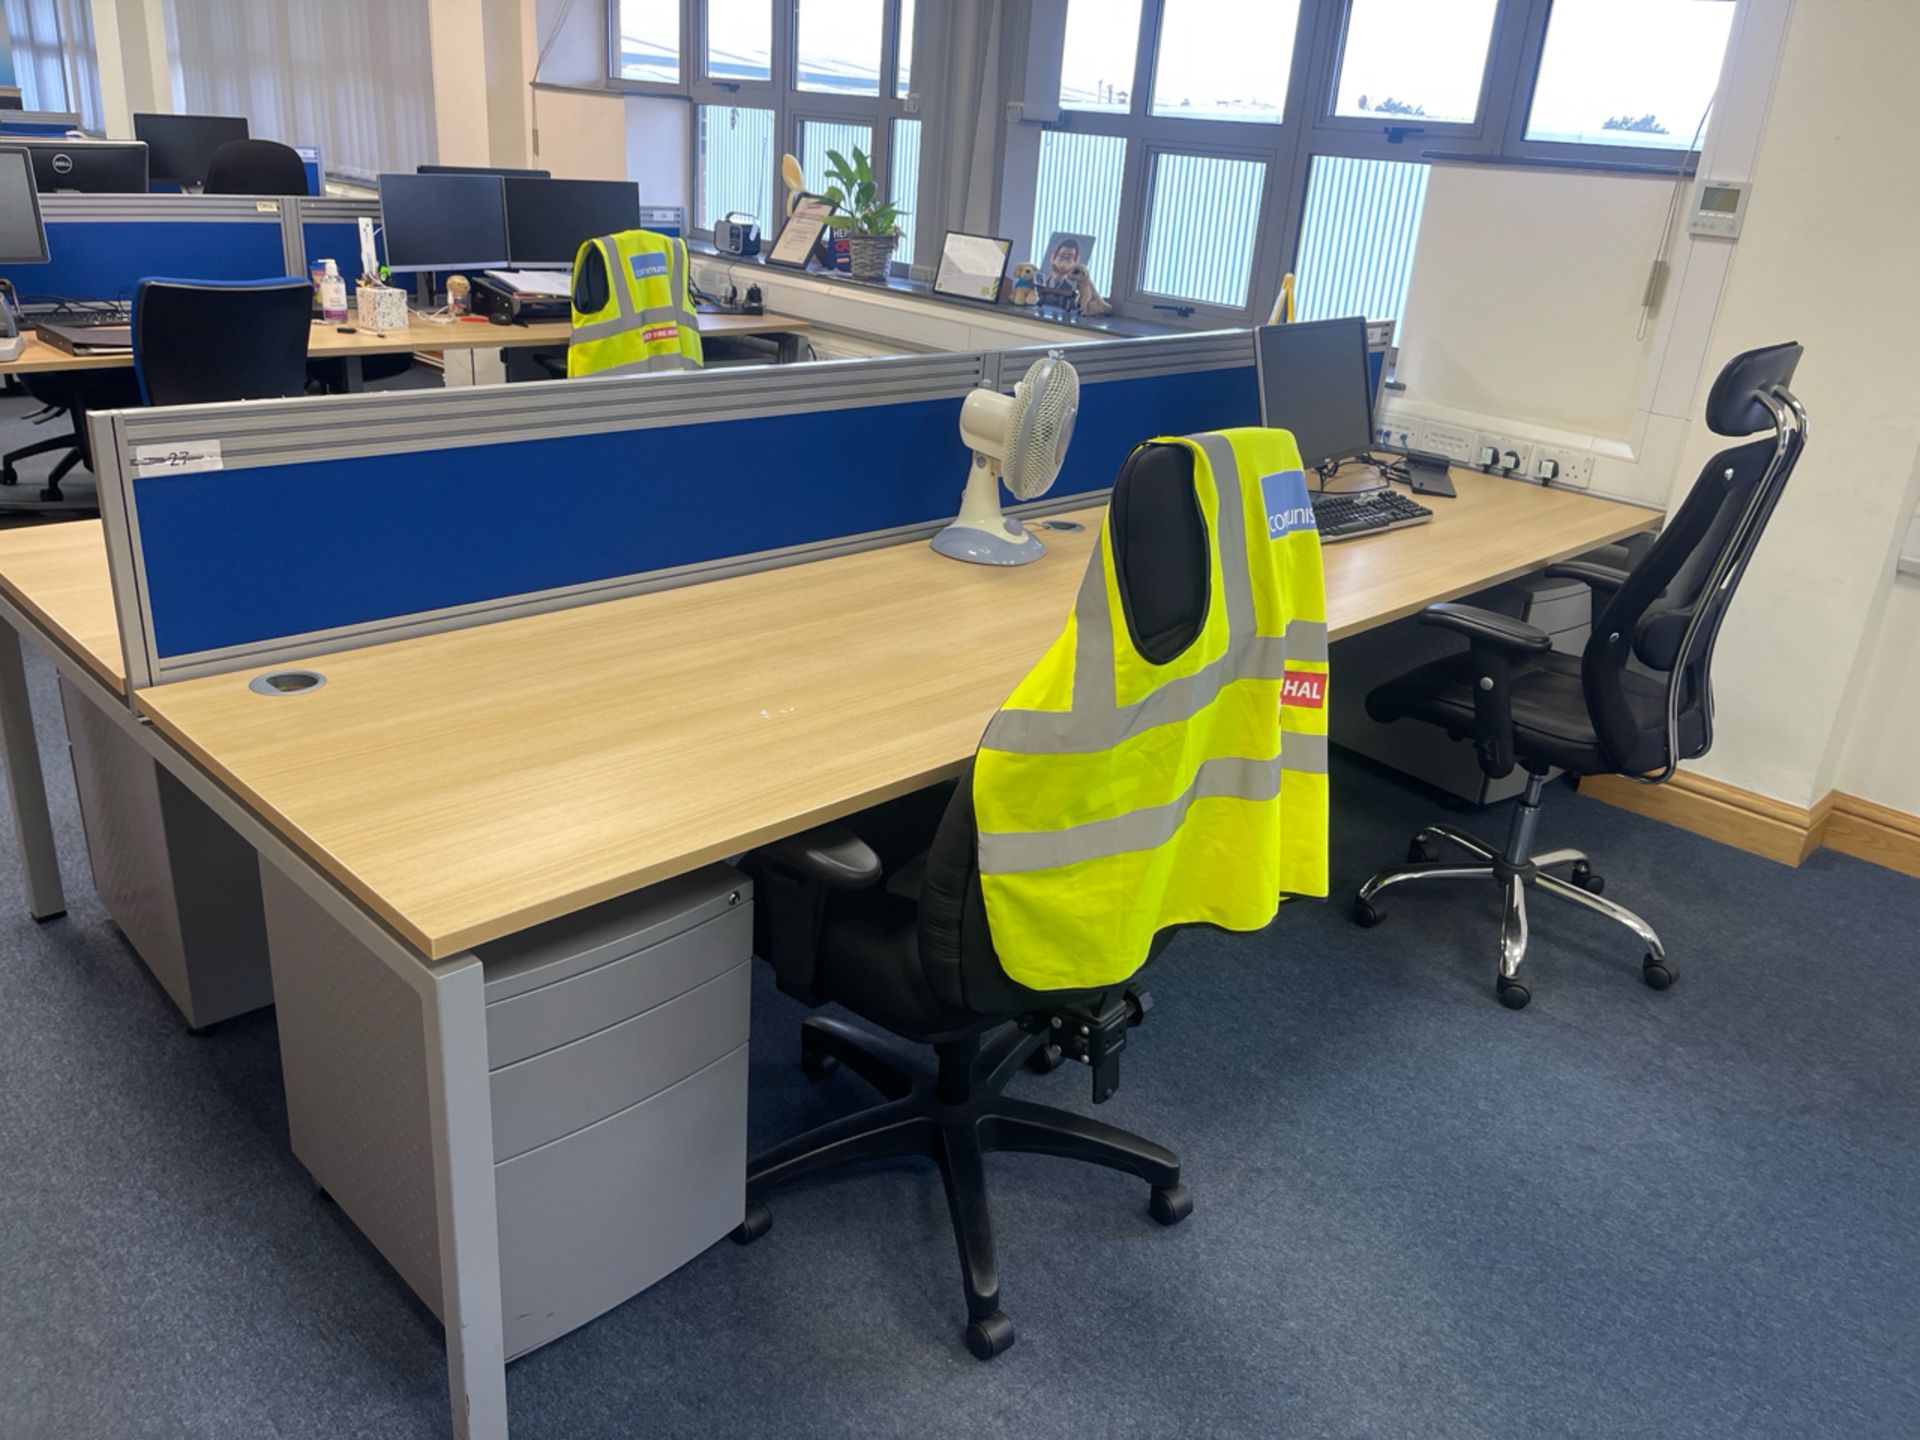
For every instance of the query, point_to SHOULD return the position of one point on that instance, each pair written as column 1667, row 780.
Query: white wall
column 1816, row 267
column 1882, row 758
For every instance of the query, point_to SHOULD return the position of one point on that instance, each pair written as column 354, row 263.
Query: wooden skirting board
column 1762, row 825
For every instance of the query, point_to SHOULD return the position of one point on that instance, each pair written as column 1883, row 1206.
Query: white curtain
column 53, row 59
column 353, row 77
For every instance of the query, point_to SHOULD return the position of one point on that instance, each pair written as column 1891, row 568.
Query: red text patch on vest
column 1304, row 689
column 655, row 333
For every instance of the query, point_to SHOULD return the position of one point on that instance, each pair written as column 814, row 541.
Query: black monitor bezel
column 1326, row 464
column 166, row 120
column 33, row 203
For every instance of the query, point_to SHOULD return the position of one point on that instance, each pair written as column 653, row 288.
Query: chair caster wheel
column 1583, row 876
column 1365, row 914
column 51, row 494
column 1046, row 1060
column 1417, row 853
column 990, row 1336
column 1512, row 993
column 1170, row 1204
column 9, row 476
column 1658, row 974
column 758, row 1220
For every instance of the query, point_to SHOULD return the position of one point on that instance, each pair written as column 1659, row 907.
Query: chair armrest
column 1486, row 627
column 1601, row 577
column 829, row 855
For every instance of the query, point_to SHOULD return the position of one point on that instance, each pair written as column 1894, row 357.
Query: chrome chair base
column 1514, row 871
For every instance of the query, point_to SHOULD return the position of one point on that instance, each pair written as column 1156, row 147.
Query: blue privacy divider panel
column 241, row 556
column 106, row 260
column 340, row 240
column 32, row 127
column 1116, row 415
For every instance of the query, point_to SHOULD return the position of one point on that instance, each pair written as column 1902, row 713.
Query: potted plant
column 872, row 223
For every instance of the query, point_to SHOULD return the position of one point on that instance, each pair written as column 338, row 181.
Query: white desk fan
column 1020, row 439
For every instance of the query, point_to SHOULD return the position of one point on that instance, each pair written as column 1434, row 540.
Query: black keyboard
column 1343, row 517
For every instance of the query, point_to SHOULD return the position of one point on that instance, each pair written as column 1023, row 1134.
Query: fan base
column 988, row 547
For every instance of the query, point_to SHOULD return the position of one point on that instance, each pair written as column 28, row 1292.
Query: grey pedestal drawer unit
column 617, row 1051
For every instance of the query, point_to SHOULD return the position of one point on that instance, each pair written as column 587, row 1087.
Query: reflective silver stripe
column 618, row 277
column 1093, row 682
column 626, row 324
column 645, row 363
column 1231, row 518
column 1077, row 732
column 1224, row 777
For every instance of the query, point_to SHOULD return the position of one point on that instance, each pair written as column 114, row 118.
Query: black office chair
column 884, row 915
column 1635, row 703
column 255, row 167
column 74, row 392
column 262, row 325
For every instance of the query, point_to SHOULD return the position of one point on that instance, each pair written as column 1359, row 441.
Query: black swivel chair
column 261, row 327
column 255, row 167
column 870, row 915
column 75, row 392
column 1635, row 703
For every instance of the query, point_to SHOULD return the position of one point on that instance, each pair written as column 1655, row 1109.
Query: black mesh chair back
column 1668, row 611
column 255, row 167
column 199, row 341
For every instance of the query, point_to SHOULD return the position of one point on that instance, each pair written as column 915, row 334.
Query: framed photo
column 972, row 267
column 1064, row 251
column 801, row 232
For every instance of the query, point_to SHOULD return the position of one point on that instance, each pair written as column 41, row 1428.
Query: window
column 53, row 57
column 1629, row 72
column 1357, row 237
column 817, row 137
column 739, row 40
column 1417, row 60
column 649, row 47
column 905, row 193
column 837, row 46
column 735, row 166
column 1096, row 68
column 1078, row 201
column 1210, row 261
column 1197, row 77
column 903, row 77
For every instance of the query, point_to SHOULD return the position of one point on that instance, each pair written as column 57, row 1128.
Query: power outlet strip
column 1575, row 467
column 1457, row 445
column 1395, row 431
column 1503, row 446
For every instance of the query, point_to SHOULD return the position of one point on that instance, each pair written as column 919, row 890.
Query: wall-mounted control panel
column 1719, row 208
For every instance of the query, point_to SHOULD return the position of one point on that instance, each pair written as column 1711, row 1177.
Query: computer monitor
column 101, row 167
column 444, row 222
column 10, row 98
column 549, row 220
column 483, row 170
column 23, row 239
column 181, row 146
column 1315, row 381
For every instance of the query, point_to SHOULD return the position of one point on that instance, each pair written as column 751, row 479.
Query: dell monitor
column 100, row 167
column 502, row 170
column 181, row 146
column 549, row 220
column 1315, row 380
column 444, row 222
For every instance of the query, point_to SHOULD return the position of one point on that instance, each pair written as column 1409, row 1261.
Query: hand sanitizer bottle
column 333, row 295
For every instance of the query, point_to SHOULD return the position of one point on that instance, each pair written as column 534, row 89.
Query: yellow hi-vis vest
column 647, row 322
column 1115, row 797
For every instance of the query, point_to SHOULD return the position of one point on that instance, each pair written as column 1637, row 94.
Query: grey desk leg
column 356, row 374
column 25, row 784
column 453, row 1006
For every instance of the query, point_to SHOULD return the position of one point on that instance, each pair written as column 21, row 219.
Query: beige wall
column 1882, row 758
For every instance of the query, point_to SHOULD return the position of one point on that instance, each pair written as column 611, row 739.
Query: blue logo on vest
column 650, row 265
column 1285, row 498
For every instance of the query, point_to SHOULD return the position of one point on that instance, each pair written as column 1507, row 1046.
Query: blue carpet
column 1615, row 1213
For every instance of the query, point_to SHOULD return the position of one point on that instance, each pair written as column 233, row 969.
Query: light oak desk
column 325, row 342
column 450, row 789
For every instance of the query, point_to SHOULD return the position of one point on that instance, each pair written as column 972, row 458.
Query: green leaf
column 840, row 222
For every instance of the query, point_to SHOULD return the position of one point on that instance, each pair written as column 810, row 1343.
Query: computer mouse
column 500, row 317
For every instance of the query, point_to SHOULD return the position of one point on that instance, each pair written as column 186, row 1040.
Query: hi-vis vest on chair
column 1115, row 797
column 647, row 322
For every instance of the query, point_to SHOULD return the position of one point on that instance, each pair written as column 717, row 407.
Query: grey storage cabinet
column 181, row 884
column 1563, row 608
column 617, row 1051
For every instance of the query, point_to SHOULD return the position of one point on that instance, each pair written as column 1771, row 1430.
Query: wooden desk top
column 466, row 785
column 57, row 573
column 325, row 342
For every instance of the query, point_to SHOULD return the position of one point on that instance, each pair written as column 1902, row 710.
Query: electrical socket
column 1456, row 445
column 1394, row 431
column 1576, row 466
column 1501, row 444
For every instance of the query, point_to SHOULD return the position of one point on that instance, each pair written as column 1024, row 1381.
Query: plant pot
column 871, row 254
